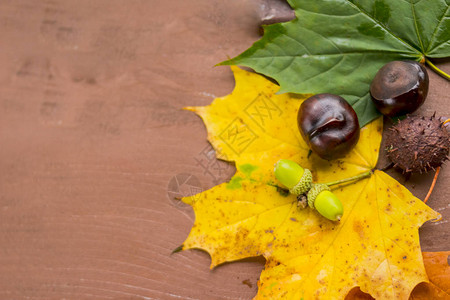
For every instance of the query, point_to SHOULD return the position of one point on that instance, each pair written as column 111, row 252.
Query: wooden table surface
column 93, row 140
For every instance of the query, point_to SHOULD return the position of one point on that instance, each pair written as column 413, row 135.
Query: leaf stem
column 353, row 178
column 177, row 249
column 432, row 184
column 436, row 69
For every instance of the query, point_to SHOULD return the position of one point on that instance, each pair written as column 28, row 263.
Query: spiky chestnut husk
column 418, row 144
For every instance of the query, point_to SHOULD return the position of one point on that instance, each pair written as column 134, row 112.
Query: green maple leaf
column 337, row 46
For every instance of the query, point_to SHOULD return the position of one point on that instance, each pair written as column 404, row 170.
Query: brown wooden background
column 92, row 133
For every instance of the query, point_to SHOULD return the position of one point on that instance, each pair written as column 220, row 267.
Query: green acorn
column 293, row 176
column 325, row 202
column 299, row 182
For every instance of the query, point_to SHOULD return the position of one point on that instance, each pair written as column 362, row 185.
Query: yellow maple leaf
column 438, row 287
column 376, row 244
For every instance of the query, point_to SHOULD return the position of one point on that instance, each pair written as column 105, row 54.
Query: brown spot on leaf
column 358, row 228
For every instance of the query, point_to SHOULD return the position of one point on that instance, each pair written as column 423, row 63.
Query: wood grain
column 93, row 140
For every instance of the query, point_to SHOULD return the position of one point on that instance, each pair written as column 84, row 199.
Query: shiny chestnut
column 329, row 125
column 399, row 87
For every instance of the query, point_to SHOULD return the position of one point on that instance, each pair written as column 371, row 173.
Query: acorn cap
column 315, row 190
column 304, row 183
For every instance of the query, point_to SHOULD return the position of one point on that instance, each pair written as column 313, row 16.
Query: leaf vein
column 413, row 11
column 435, row 32
column 244, row 220
column 344, row 222
column 328, row 70
column 362, row 52
column 298, row 42
column 380, row 24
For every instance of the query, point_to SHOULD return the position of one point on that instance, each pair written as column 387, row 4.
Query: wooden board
column 93, row 140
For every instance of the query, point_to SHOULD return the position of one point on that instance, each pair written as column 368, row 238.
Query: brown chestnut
column 399, row 87
column 329, row 125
